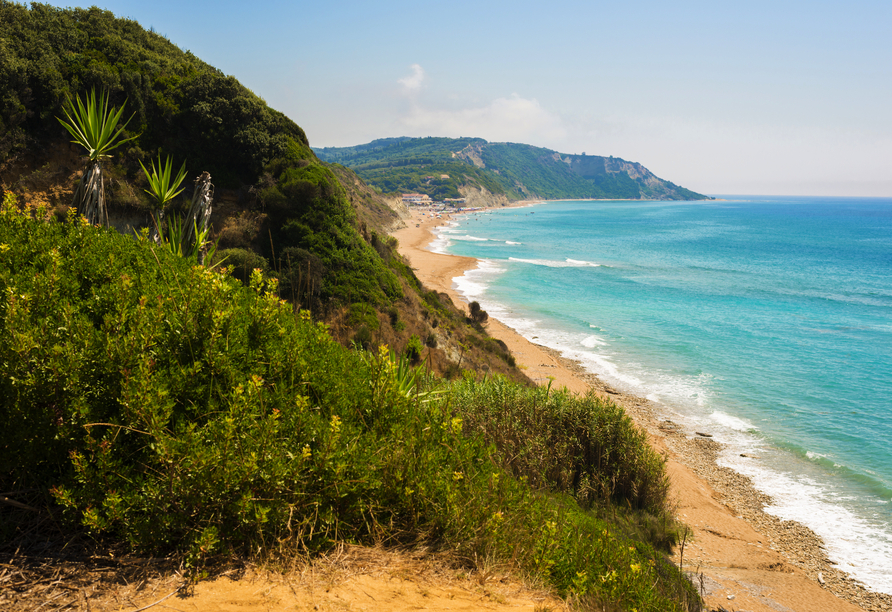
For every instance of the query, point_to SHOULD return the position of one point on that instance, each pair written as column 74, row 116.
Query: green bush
column 414, row 348
column 241, row 263
column 585, row 446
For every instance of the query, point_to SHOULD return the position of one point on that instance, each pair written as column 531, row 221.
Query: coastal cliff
column 445, row 168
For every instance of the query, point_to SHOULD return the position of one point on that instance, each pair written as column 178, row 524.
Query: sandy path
column 743, row 569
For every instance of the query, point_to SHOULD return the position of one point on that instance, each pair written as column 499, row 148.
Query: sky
column 780, row 97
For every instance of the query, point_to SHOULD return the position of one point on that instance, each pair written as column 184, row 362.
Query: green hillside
column 439, row 167
column 258, row 158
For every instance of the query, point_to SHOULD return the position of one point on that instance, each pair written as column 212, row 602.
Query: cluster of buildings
column 422, row 199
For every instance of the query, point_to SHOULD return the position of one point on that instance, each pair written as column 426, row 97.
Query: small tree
column 162, row 187
column 95, row 128
column 477, row 314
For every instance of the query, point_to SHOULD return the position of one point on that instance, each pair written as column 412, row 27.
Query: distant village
column 422, row 200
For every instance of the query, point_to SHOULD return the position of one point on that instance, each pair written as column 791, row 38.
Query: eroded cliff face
column 472, row 154
column 480, row 197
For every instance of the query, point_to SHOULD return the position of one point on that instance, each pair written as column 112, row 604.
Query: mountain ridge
column 445, row 167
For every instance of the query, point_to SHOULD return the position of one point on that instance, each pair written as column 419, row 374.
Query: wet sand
column 743, row 558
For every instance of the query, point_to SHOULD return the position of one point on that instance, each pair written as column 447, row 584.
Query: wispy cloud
column 413, row 81
column 510, row 119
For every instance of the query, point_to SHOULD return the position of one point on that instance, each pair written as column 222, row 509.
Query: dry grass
column 100, row 583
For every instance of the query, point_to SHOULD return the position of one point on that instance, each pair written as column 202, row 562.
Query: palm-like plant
column 97, row 129
column 163, row 186
column 186, row 237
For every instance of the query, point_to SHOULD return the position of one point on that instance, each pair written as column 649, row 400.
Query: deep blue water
column 766, row 320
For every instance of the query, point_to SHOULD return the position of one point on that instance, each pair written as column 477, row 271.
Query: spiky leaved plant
column 163, row 187
column 185, row 237
column 95, row 128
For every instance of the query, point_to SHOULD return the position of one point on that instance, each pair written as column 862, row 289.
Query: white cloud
column 413, row 81
column 511, row 119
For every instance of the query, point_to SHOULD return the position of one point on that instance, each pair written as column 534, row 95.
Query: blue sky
column 780, row 97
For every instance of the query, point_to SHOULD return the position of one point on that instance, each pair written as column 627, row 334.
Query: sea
column 764, row 321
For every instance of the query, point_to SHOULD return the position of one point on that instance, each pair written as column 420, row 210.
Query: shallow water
column 767, row 321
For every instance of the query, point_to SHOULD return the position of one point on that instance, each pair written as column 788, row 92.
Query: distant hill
column 448, row 167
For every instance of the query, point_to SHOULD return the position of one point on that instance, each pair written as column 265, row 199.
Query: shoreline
column 749, row 560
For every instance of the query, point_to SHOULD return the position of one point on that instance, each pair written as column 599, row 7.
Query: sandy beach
column 743, row 558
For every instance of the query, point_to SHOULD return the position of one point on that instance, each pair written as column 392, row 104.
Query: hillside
column 447, row 167
column 319, row 230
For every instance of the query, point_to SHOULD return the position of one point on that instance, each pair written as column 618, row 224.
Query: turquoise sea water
column 765, row 321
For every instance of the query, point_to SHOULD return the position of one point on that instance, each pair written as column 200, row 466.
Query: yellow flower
column 456, row 425
column 635, row 567
column 458, row 476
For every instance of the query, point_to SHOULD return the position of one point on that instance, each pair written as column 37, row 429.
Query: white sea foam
column 550, row 263
column 733, row 422
column 440, row 244
column 858, row 544
column 511, row 242
column 593, row 341
column 473, row 284
column 469, row 238
column 442, row 238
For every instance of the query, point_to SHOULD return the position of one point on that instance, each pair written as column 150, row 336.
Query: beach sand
column 743, row 558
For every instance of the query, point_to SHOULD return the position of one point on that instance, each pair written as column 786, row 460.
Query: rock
column 705, row 435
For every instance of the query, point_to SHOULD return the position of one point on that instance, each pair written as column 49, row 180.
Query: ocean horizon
column 766, row 321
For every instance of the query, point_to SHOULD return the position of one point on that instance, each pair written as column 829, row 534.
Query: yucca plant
column 97, row 129
column 163, row 187
column 186, row 237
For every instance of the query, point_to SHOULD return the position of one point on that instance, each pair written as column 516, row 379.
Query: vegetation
column 95, row 128
column 478, row 315
column 438, row 167
column 167, row 406
column 186, row 109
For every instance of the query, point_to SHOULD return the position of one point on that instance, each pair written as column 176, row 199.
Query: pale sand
column 756, row 563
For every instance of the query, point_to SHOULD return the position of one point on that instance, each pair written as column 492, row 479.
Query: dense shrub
column 241, row 263
column 585, row 446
